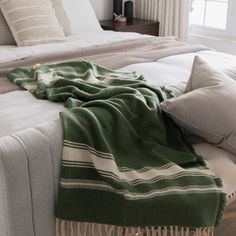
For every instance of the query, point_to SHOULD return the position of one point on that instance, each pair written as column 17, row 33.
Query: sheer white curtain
column 173, row 15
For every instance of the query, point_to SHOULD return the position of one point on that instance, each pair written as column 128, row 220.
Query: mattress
column 31, row 172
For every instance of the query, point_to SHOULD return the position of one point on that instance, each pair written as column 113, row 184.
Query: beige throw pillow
column 208, row 108
column 32, row 21
column 6, row 37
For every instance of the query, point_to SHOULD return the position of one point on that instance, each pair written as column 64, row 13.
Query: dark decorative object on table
column 117, row 7
column 129, row 7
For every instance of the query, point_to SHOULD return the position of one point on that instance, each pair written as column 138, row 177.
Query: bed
column 31, row 133
column 31, row 138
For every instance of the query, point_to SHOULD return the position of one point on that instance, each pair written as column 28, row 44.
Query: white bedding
column 20, row 110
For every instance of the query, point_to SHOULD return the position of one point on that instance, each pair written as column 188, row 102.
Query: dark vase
column 129, row 8
column 117, row 7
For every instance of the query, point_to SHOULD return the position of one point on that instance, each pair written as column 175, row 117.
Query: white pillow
column 61, row 16
column 81, row 17
column 32, row 21
column 6, row 37
column 207, row 109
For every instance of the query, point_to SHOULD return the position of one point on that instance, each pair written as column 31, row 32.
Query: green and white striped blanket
column 125, row 168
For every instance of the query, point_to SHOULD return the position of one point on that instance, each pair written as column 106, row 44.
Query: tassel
column 139, row 232
column 70, row 228
column 93, row 229
column 153, row 231
column 171, row 231
column 176, row 231
column 187, row 231
column 109, row 230
column 99, row 230
column 165, row 231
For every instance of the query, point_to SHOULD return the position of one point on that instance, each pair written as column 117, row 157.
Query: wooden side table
column 136, row 25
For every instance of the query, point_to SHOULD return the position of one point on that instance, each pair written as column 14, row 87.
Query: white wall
column 103, row 8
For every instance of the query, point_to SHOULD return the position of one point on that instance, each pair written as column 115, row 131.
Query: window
column 209, row 13
column 213, row 18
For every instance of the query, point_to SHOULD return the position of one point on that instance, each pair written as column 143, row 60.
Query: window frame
column 228, row 33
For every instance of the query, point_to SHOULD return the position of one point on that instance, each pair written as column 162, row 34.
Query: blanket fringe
column 71, row 228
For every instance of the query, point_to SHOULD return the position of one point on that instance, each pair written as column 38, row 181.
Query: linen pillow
column 6, row 37
column 81, row 16
column 207, row 109
column 32, row 21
